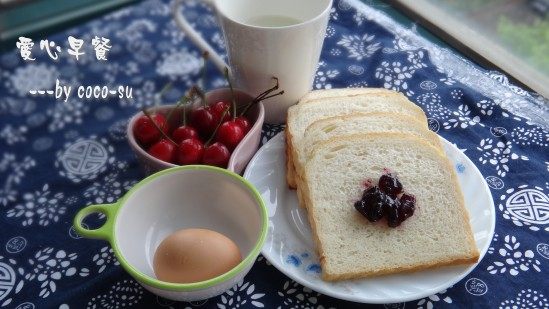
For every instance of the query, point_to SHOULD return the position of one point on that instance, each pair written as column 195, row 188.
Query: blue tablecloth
column 57, row 157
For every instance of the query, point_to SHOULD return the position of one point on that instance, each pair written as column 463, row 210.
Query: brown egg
column 192, row 255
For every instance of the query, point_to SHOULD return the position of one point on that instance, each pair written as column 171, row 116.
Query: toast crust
column 467, row 258
column 409, row 269
column 290, row 168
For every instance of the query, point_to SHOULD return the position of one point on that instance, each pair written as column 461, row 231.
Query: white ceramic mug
column 267, row 38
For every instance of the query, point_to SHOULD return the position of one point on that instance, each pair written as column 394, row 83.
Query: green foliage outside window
column 528, row 40
column 470, row 5
column 511, row 22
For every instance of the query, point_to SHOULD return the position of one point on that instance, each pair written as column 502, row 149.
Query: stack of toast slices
column 338, row 139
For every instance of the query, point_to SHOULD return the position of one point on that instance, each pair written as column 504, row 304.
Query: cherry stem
column 273, row 95
column 196, row 90
column 163, row 91
column 185, row 111
column 266, row 92
column 157, row 127
column 254, row 102
column 263, row 96
column 232, row 91
column 217, row 127
column 260, row 96
column 181, row 101
column 205, row 56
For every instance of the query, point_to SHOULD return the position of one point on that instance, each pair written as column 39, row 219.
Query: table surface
column 57, row 157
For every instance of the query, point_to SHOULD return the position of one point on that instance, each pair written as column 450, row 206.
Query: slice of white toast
column 349, row 246
column 322, row 105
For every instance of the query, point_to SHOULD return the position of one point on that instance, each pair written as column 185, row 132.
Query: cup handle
column 104, row 232
column 195, row 36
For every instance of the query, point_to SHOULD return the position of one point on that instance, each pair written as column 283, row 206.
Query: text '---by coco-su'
column 64, row 92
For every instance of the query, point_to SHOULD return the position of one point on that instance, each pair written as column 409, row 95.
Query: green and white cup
column 192, row 196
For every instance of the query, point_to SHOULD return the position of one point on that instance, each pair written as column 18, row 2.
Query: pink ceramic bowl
column 241, row 154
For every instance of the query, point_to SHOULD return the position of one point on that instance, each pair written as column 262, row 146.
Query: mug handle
column 195, row 36
column 106, row 231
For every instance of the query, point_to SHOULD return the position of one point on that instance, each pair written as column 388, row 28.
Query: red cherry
column 163, row 150
column 203, row 120
column 216, row 154
column 144, row 130
column 219, row 108
column 184, row 132
column 244, row 123
column 229, row 134
column 190, row 151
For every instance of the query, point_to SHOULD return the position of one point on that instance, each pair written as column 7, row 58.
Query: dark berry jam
column 373, row 200
column 390, row 184
column 382, row 200
column 407, row 206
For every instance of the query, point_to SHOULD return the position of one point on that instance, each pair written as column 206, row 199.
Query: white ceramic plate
column 290, row 248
